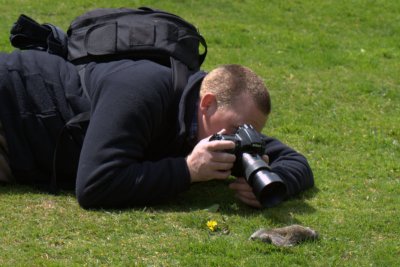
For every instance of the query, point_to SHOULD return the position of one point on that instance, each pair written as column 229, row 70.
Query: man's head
column 230, row 96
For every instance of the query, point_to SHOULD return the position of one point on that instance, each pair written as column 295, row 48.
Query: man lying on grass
column 140, row 146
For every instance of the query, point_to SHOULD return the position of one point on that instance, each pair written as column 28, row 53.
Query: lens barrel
column 268, row 187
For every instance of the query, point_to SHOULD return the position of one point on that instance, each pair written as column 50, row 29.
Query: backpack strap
column 202, row 41
column 81, row 72
column 26, row 33
column 180, row 75
column 57, row 41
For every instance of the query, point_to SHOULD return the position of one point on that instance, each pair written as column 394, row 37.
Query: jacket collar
column 187, row 106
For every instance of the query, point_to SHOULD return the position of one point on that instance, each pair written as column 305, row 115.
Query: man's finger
column 223, row 131
column 246, row 194
column 220, row 145
column 221, row 166
column 223, row 157
column 249, row 201
column 265, row 158
column 240, row 184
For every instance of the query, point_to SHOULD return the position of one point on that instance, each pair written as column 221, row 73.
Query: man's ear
column 208, row 104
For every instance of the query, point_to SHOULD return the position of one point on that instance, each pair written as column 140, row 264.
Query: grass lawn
column 332, row 68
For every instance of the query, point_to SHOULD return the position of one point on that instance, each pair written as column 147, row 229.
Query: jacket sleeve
column 126, row 116
column 291, row 166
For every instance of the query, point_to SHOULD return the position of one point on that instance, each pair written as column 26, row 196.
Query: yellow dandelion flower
column 212, row 225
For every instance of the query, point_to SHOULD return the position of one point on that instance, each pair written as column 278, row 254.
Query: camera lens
column 268, row 187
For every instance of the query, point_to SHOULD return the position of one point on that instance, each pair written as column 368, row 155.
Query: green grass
column 332, row 69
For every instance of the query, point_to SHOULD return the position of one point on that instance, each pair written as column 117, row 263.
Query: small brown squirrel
column 286, row 236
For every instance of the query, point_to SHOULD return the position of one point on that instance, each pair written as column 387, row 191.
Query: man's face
column 213, row 119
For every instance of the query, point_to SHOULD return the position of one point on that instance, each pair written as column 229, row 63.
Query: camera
column 268, row 187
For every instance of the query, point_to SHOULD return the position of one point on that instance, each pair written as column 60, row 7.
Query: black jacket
column 137, row 139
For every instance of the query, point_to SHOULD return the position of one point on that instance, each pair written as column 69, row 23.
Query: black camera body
column 250, row 145
column 247, row 140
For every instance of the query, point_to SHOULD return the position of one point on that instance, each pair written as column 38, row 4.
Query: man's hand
column 209, row 161
column 244, row 192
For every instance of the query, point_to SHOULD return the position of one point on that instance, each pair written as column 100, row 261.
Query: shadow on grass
column 18, row 189
column 202, row 196
column 212, row 194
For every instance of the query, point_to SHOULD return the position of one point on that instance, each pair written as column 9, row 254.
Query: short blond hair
column 228, row 82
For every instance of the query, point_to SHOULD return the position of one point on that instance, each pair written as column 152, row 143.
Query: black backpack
column 107, row 34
